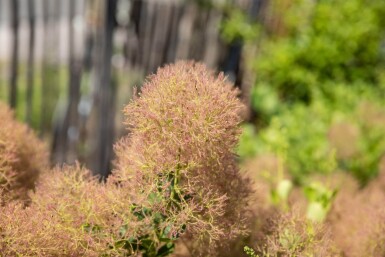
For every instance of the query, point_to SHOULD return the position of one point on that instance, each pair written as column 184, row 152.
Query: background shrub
column 22, row 156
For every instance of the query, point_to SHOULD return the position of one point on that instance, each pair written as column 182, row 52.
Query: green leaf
column 316, row 212
column 166, row 250
column 283, row 189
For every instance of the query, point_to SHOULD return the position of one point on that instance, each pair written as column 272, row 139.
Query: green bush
column 340, row 42
column 312, row 73
column 301, row 134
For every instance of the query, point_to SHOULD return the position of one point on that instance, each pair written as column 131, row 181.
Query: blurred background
column 68, row 67
column 311, row 73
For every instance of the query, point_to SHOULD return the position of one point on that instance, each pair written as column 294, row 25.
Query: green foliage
column 340, row 41
column 265, row 101
column 159, row 242
column 237, row 27
column 249, row 251
column 248, row 143
column 298, row 138
column 300, row 134
column 312, row 73
column 279, row 194
column 319, row 102
column 319, row 199
column 370, row 146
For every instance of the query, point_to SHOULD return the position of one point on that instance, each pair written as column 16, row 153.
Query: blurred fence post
column 64, row 146
column 15, row 53
column 31, row 60
column 50, row 78
column 105, row 94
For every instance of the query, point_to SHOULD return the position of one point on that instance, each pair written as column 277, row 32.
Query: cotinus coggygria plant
column 175, row 176
column 179, row 159
column 22, row 157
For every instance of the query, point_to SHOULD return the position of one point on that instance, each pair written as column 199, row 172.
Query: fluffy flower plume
column 357, row 220
column 71, row 214
column 292, row 235
column 179, row 157
column 22, row 157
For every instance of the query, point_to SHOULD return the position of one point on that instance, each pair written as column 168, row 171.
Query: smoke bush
column 179, row 159
column 176, row 175
column 22, row 156
column 357, row 220
column 52, row 224
column 292, row 235
column 71, row 214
